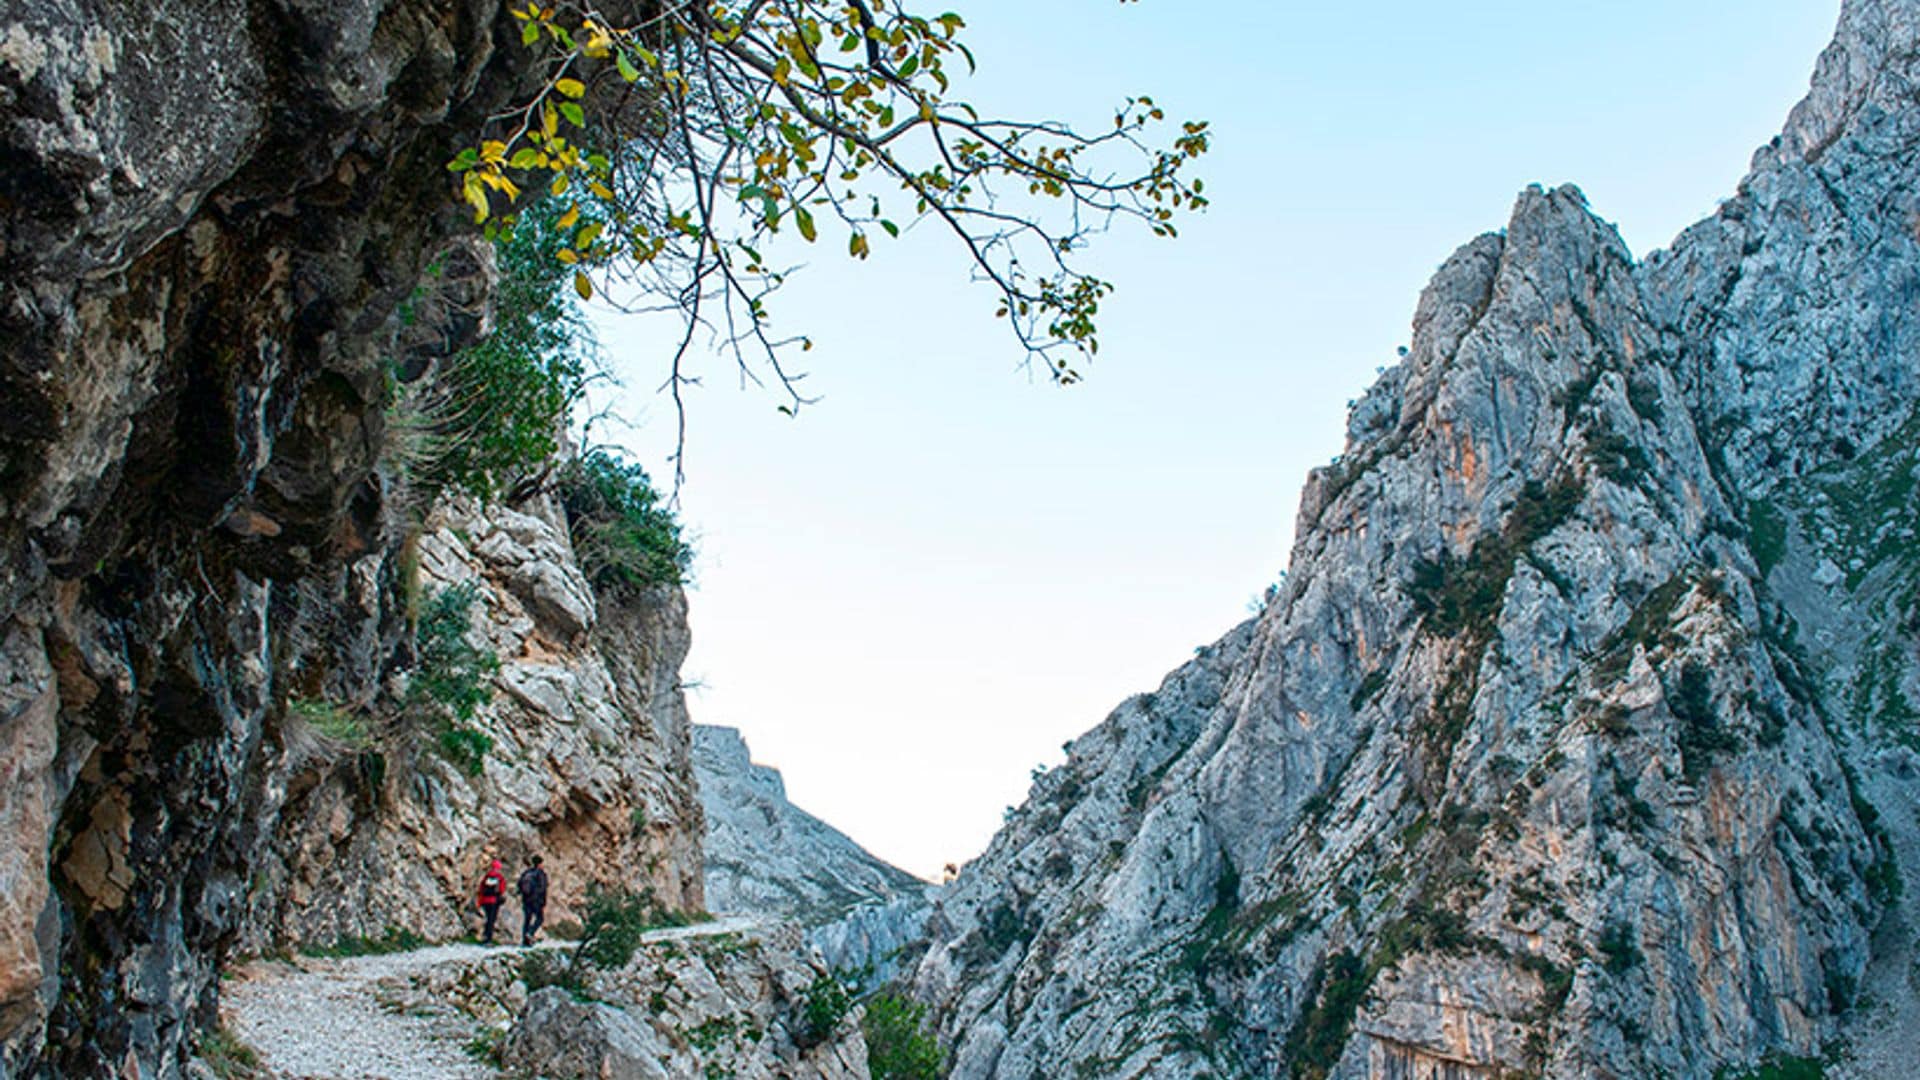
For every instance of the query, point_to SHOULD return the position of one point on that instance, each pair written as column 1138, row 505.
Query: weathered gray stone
column 1558, row 750
column 766, row 856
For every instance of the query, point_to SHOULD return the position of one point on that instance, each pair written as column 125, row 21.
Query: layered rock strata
column 766, row 856
column 212, row 211
column 1570, row 743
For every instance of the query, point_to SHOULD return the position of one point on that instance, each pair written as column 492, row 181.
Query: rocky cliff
column 766, row 856
column 1580, row 738
column 588, row 763
column 214, row 214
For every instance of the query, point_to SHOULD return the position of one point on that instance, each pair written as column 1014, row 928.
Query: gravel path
column 324, row 1019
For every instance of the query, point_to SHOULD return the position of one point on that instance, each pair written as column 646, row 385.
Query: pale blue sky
column 917, row 591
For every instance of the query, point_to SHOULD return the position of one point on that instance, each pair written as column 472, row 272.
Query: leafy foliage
column 1778, row 1068
column 1617, row 948
column 683, row 143
column 452, row 677
column 825, row 1003
column 900, row 1044
column 507, row 397
column 615, row 922
column 623, row 534
column 330, row 721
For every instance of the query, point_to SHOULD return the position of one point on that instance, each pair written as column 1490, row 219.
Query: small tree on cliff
column 681, row 135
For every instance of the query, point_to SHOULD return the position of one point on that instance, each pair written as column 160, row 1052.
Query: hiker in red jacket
column 493, row 890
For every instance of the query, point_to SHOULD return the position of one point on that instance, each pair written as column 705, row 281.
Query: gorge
column 1579, row 739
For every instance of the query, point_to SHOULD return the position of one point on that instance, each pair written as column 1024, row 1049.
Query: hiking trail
column 389, row 1017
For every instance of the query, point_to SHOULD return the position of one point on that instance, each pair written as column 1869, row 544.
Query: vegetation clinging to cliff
column 511, row 392
column 452, row 677
column 623, row 534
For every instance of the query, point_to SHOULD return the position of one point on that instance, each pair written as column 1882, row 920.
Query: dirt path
column 364, row 1018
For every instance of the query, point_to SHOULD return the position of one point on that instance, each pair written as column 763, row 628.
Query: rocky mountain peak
column 1548, row 756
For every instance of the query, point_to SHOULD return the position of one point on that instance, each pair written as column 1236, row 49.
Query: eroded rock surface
column 1568, row 744
column 731, row 1004
column 766, row 856
column 212, row 210
column 589, row 764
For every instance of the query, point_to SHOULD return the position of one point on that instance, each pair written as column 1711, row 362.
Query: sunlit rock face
column 589, row 764
column 1578, row 739
column 209, row 214
column 766, row 856
column 733, row 1004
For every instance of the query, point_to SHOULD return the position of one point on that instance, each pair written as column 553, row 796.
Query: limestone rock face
column 589, row 764
column 1578, row 740
column 212, row 210
column 766, row 856
column 727, row 1005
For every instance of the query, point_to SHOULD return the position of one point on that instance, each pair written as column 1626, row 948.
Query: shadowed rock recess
column 1579, row 739
column 211, row 560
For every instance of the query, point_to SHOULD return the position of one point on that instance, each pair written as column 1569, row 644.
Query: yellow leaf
column 582, row 286
column 573, row 88
column 549, row 119
column 477, row 197
column 493, row 151
column 566, row 255
column 567, row 219
column 559, row 185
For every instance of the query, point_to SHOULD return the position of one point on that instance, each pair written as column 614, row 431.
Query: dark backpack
column 533, row 886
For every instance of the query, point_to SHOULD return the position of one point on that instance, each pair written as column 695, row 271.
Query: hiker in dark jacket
column 492, row 893
column 533, row 900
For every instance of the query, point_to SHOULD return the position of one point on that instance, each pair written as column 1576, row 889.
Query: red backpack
column 492, row 887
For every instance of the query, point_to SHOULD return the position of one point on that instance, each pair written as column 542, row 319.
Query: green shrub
column 822, row 1007
column 1460, row 595
column 1617, row 949
column 1338, row 985
column 228, row 1057
column 395, row 940
column 624, row 536
column 452, row 678
column 332, row 722
column 496, row 409
column 1778, row 1067
column 466, row 747
column 900, row 1045
column 1701, row 734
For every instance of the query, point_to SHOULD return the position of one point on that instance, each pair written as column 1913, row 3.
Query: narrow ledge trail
column 363, row 1017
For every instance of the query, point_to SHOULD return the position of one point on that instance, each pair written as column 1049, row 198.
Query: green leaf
column 573, row 113
column 464, row 160
column 805, row 220
column 529, row 33
column 582, row 286
column 627, row 70
column 892, row 229
column 525, row 158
